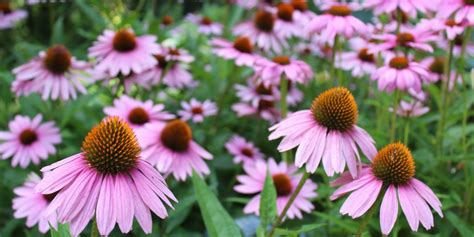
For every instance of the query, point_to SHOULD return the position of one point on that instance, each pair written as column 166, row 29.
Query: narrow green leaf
column 268, row 209
column 91, row 13
column 464, row 229
column 218, row 222
column 58, row 32
column 62, row 231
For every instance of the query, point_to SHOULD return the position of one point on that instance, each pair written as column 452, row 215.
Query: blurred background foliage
column 76, row 24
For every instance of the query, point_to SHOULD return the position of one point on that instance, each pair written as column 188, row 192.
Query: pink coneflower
column 262, row 32
column 265, row 109
column 294, row 95
column 196, row 111
column 32, row 205
column 392, row 170
column 337, row 20
column 176, row 54
column 301, row 12
column 327, row 131
column 436, row 71
column 170, row 73
column 206, row 25
column 122, row 52
column 359, row 61
column 29, row 140
column 108, row 180
column 9, row 17
column 449, row 26
column 285, row 180
column 255, row 91
column 241, row 50
column 400, row 73
column 166, row 21
column 242, row 150
column 463, row 10
column 408, row 6
column 54, row 74
column 271, row 71
column 457, row 49
column 169, row 146
column 285, row 23
column 411, row 109
column 415, row 38
column 137, row 113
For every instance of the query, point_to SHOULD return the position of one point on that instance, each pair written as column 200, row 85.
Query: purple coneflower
column 255, row 91
column 54, row 74
column 271, row 71
column 170, row 147
column 196, row 110
column 241, row 50
column 122, row 52
column 9, row 16
column 265, row 109
column 285, row 23
column 243, row 151
column 408, row 6
column 29, row 140
column 410, row 109
column 400, row 73
column 285, row 180
column 206, row 25
column 359, row 61
column 415, row 38
column 108, row 180
column 137, row 113
column 463, row 10
column 32, row 205
column 326, row 132
column 392, row 170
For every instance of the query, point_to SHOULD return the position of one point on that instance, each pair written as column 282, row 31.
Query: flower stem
column 393, row 129
column 406, row 135
column 466, row 110
column 94, row 230
column 365, row 222
column 289, row 203
column 444, row 100
column 284, row 110
column 332, row 72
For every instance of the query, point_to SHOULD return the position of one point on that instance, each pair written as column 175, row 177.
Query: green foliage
column 268, row 209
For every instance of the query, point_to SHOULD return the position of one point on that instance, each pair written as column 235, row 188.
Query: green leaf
column 62, row 231
column 302, row 229
column 218, row 222
column 58, row 32
column 350, row 227
column 268, row 209
column 463, row 228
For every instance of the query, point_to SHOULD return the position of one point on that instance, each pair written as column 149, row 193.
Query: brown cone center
column 124, row 41
column 5, row 7
column 243, row 44
column 340, row 10
column 264, row 21
column 285, row 12
column 206, row 21
column 437, row 66
column 394, row 164
column 335, row 109
column 282, row 60
column 300, row 5
column 197, row 110
column 365, row 56
column 247, row 152
column 57, row 60
column 167, row 20
column 399, row 62
column 162, row 63
column 282, row 184
column 28, row 136
column 404, row 38
column 111, row 147
column 176, row 136
column 138, row 116
column 469, row 2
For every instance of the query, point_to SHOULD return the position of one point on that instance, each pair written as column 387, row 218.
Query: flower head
column 411, row 109
column 241, row 50
column 271, row 71
column 137, row 113
column 242, row 150
column 326, row 132
column 392, row 171
column 196, row 110
column 169, row 146
column 337, row 20
column 32, row 205
column 107, row 179
column 29, row 140
column 206, row 25
column 463, row 10
column 262, row 32
column 9, row 16
column 409, row 6
column 400, row 73
column 122, row 52
column 285, row 180
column 54, row 74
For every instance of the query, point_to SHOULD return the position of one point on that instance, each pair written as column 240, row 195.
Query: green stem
column 368, row 216
column 94, row 230
column 288, row 204
column 332, row 71
column 283, row 95
column 399, row 19
column 444, row 100
column 393, row 129
column 406, row 135
column 466, row 110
